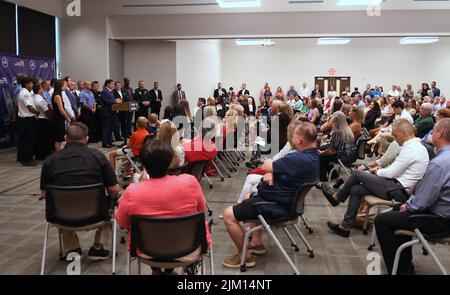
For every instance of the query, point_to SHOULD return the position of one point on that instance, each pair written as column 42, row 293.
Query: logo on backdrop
column 74, row 8
column 374, row 264
column 44, row 66
column 5, row 62
column 3, row 81
column 20, row 64
column 374, row 10
column 14, row 81
column 32, row 65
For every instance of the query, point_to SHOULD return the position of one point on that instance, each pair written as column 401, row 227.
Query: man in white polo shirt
column 26, row 124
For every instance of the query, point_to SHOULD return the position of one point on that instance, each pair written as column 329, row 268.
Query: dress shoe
column 330, row 196
column 107, row 146
column 29, row 164
column 335, row 228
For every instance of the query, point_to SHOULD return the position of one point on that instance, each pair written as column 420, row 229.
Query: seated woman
column 177, row 195
column 135, row 142
column 342, row 146
column 253, row 179
column 201, row 148
column 357, row 117
column 168, row 133
column 313, row 114
column 371, row 116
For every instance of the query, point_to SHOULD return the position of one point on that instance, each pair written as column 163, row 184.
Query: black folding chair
column 83, row 208
column 161, row 242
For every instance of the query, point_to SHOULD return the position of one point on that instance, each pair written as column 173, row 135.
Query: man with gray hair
column 406, row 171
column 424, row 123
column 432, row 195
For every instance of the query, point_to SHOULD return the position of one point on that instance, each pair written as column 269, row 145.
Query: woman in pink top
column 161, row 195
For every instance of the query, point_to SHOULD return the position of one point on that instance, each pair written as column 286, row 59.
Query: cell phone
column 367, row 166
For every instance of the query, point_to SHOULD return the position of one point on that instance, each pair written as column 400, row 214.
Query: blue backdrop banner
column 12, row 66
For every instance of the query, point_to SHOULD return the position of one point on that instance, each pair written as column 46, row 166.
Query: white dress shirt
column 67, row 106
column 405, row 115
column 409, row 166
column 394, row 93
column 24, row 100
column 305, row 92
column 41, row 106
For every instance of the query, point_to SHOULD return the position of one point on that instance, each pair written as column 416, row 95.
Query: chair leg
column 224, row 168
column 222, row 178
column 307, row 225
column 114, row 233
column 208, row 180
column 305, row 241
column 60, row 244
column 426, row 245
column 139, row 266
column 128, row 264
column 248, row 234
column 399, row 252
column 373, row 237
column 202, row 268
column 331, row 174
column 210, row 212
column 293, row 243
column 211, row 260
column 280, row 247
column 44, row 250
column 366, row 221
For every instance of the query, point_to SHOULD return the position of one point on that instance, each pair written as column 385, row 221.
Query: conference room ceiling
column 126, row 7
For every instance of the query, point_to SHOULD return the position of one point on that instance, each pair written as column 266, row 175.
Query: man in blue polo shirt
column 280, row 184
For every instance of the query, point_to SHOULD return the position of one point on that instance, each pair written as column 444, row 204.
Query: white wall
column 152, row 61
column 198, row 68
column 116, row 60
column 84, row 48
column 438, row 61
column 377, row 61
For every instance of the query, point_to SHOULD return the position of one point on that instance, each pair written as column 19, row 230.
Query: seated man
column 282, row 180
column 424, row 123
column 406, row 170
column 201, row 148
column 78, row 165
column 135, row 142
column 432, row 195
column 176, row 195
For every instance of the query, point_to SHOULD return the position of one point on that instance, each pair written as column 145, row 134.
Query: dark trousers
column 125, row 124
column 116, row 126
column 387, row 223
column 88, row 118
column 325, row 165
column 156, row 110
column 361, row 184
column 98, row 125
column 107, row 130
column 26, row 141
column 44, row 142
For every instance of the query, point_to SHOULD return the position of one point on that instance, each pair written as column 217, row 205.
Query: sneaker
column 77, row 250
column 336, row 228
column 98, row 254
column 258, row 250
column 235, row 261
column 330, row 196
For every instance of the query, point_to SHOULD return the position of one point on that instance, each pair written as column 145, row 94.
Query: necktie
column 179, row 96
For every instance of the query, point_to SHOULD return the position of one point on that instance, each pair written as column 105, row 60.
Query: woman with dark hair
column 60, row 116
column 177, row 196
column 168, row 113
column 372, row 115
column 426, row 91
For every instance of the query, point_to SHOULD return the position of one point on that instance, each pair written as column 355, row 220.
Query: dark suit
column 120, row 118
column 216, row 93
column 313, row 94
column 246, row 92
column 128, row 96
column 155, row 105
column 141, row 95
column 108, row 100
column 177, row 97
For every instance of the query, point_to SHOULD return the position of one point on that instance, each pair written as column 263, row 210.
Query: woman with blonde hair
column 168, row 133
column 342, row 146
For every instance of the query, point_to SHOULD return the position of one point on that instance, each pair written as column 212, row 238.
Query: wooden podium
column 128, row 106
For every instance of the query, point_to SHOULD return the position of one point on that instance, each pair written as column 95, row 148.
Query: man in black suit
column 156, row 97
column 220, row 92
column 119, row 117
column 243, row 90
column 108, row 100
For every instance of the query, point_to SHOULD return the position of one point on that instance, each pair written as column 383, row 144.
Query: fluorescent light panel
column 262, row 42
column 239, row 3
column 418, row 40
column 357, row 2
column 333, row 41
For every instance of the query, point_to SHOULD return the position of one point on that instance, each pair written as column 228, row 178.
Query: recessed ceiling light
column 357, row 2
column 239, row 3
column 262, row 42
column 333, row 41
column 418, row 40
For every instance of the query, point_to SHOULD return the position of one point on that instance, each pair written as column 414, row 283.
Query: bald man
column 282, row 180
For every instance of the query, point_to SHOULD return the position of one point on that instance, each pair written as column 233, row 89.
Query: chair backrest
column 197, row 169
column 166, row 239
column 76, row 205
column 298, row 204
column 178, row 170
column 360, row 147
